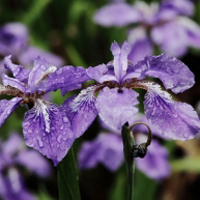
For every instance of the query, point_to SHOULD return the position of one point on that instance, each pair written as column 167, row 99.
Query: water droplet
column 44, row 134
column 61, row 128
column 40, row 143
column 29, row 131
column 59, row 71
column 43, row 67
column 77, row 75
column 65, row 119
column 59, row 138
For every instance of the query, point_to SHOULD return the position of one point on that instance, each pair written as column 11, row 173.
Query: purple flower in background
column 13, row 154
column 158, row 24
column 107, row 149
column 116, row 100
column 14, row 40
column 46, row 127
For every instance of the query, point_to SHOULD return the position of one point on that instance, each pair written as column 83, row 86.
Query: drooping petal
column 47, row 129
column 174, row 74
column 17, row 70
column 120, row 59
column 66, row 78
column 33, row 161
column 155, row 164
column 117, row 107
column 27, row 57
column 106, row 149
column 81, row 110
column 176, row 120
column 192, row 31
column 41, row 69
column 7, row 81
column 7, row 107
column 13, row 144
column 117, row 14
column 166, row 36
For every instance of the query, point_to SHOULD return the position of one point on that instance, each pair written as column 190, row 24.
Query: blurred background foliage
column 66, row 28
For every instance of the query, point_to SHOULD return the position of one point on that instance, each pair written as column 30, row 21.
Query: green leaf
column 191, row 164
column 68, row 186
column 36, row 9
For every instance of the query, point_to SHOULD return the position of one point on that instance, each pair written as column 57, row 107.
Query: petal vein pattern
column 81, row 110
column 175, row 120
column 48, row 130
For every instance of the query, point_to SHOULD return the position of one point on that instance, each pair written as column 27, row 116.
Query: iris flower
column 113, row 98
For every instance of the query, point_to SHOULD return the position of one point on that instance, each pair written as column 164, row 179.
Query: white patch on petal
column 50, row 70
column 42, row 108
column 85, row 96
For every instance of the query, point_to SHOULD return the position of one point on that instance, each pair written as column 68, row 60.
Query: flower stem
column 68, row 186
column 128, row 141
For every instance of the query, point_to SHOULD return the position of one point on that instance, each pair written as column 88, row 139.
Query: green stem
column 68, row 186
column 128, row 142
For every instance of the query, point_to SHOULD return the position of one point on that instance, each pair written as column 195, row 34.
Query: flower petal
column 115, row 108
column 174, row 74
column 13, row 82
column 48, row 130
column 13, row 145
column 120, row 59
column 97, row 72
column 17, row 70
column 117, row 14
column 175, row 120
column 166, row 37
column 155, row 164
column 7, row 107
column 27, row 57
column 192, row 31
column 106, row 149
column 66, row 78
column 41, row 69
column 81, row 110
column 28, row 159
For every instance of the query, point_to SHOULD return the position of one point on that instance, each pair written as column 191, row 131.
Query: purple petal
column 97, row 72
column 174, row 74
column 13, row 144
column 140, row 49
column 175, row 120
column 115, row 108
column 106, row 149
column 166, row 37
column 81, row 110
column 14, row 188
column 184, row 7
column 192, row 31
column 120, row 59
column 41, row 69
column 34, row 161
column 13, row 82
column 13, row 39
column 48, row 130
column 27, row 57
column 7, row 107
column 117, row 14
column 17, row 70
column 66, row 77
column 155, row 164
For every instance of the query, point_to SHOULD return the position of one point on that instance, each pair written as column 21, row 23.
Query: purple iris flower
column 46, row 127
column 14, row 40
column 107, row 149
column 13, row 154
column 112, row 96
column 157, row 24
